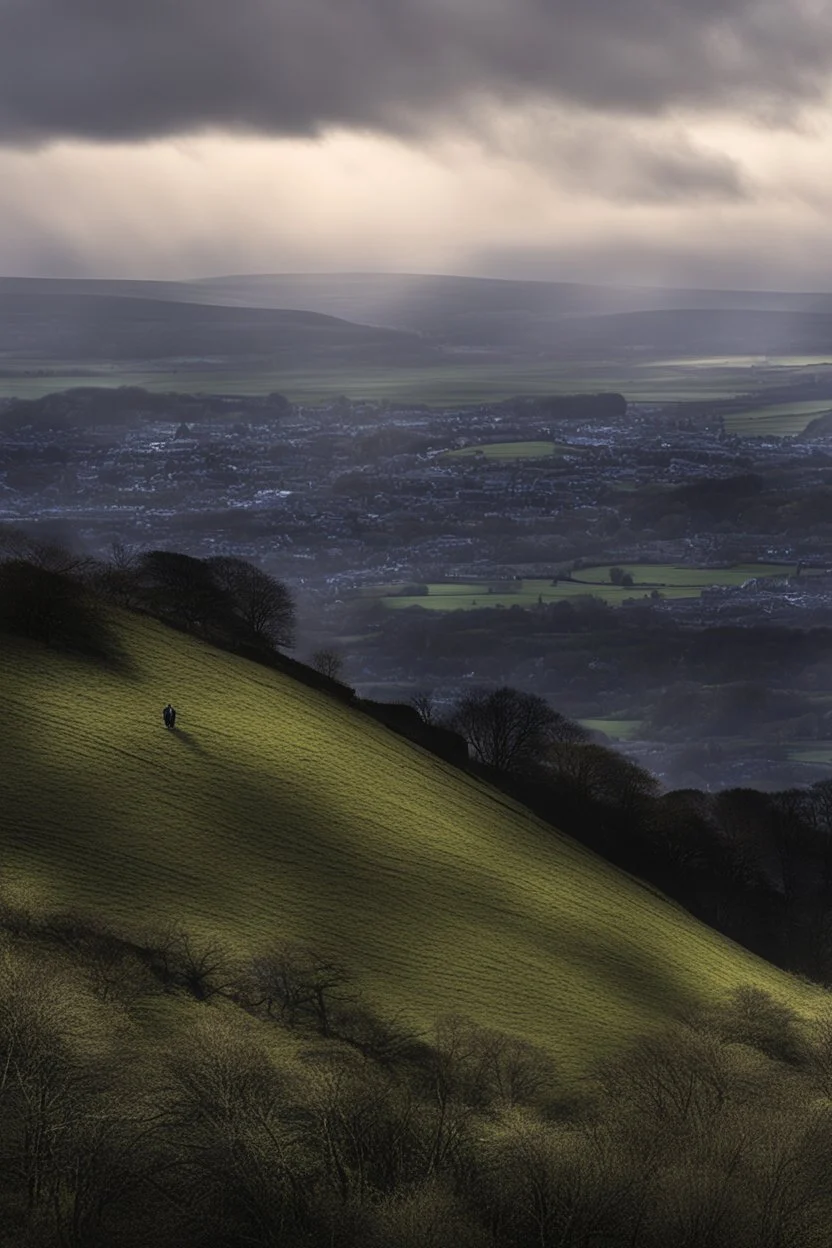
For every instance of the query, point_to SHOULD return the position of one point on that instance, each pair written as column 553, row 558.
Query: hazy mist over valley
column 415, row 624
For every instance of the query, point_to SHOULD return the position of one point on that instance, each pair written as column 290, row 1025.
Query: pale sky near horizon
column 654, row 141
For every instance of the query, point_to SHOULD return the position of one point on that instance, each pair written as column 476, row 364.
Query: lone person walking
column 169, row 716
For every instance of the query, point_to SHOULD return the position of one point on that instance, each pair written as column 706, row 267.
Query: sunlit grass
column 274, row 812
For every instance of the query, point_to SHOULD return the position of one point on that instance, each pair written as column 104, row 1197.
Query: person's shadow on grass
column 187, row 739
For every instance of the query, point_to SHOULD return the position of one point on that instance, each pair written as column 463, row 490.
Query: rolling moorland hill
column 45, row 324
column 542, row 316
column 276, row 813
column 694, row 332
column 485, row 314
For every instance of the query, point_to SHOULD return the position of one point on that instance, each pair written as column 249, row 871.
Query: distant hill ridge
column 52, row 323
column 488, row 313
column 277, row 812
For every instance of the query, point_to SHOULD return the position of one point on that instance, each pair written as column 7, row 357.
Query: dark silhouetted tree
column 294, row 983
column 51, row 607
column 424, row 705
column 263, row 603
column 49, row 555
column 183, row 590
column 510, row 730
column 601, row 773
column 328, row 662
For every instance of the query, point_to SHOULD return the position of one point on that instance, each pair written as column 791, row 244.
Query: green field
column 669, row 580
column 778, row 420
column 617, row 729
column 455, row 382
column 670, row 576
column 514, row 450
column 279, row 813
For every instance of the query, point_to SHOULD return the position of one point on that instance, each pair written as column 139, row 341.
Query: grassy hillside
column 277, row 813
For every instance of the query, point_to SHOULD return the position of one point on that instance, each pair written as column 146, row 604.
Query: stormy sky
column 669, row 141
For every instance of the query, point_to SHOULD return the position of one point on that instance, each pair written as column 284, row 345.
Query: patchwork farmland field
column 277, row 813
column 666, row 579
column 515, row 450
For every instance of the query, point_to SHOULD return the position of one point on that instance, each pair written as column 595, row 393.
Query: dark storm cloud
column 131, row 69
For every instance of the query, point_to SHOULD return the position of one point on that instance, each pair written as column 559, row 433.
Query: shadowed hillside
column 486, row 313
column 274, row 813
column 49, row 324
column 546, row 316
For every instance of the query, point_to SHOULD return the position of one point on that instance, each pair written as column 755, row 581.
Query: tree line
column 52, row 595
column 755, row 866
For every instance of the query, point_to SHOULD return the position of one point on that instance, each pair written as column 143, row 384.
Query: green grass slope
column 278, row 813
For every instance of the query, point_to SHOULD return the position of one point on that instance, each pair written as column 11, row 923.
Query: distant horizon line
column 402, row 273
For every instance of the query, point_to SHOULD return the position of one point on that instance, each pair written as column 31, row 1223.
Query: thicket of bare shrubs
column 273, row 1105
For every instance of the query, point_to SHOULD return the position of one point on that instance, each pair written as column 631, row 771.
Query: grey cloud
column 134, row 69
column 616, row 161
column 682, row 174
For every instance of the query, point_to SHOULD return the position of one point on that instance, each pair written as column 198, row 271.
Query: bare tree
column 547, row 1186
column 245, row 1170
column 426, row 1215
column 752, row 1016
column 294, row 981
column 366, row 1125
column 179, row 960
column 601, row 773
column 117, row 577
column 44, row 1080
column 510, row 730
column 262, row 602
column 481, row 1066
column 673, row 1077
column 328, row 663
column 15, row 544
column 424, row 705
